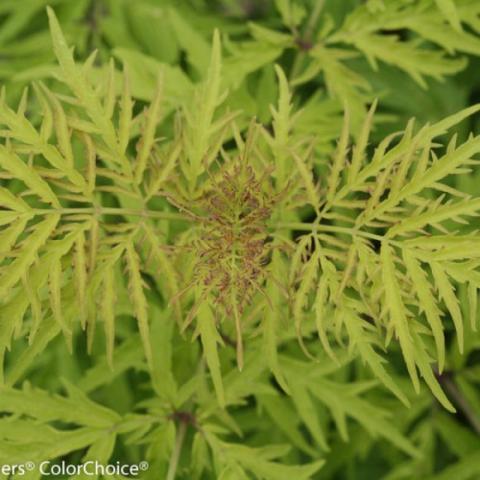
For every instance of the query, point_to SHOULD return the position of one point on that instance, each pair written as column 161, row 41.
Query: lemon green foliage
column 226, row 245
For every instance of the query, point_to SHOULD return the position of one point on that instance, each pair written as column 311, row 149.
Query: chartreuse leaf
column 80, row 274
column 142, row 72
column 450, row 12
column 147, row 139
column 307, row 411
column 55, row 288
column 165, row 264
column 341, row 82
column 308, row 278
column 270, row 327
column 75, row 408
column 62, row 444
column 129, row 354
column 283, row 416
column 247, row 59
column 339, row 158
column 321, row 307
column 137, row 294
column 372, row 418
column 424, row 366
column 10, row 235
column 200, row 456
column 197, row 48
column 11, row 274
column 108, row 313
column 408, row 57
column 49, row 331
column 76, row 79
column 200, row 115
column 437, row 215
column 10, row 201
column 100, row 451
column 282, row 124
column 209, row 337
column 162, row 332
column 15, row 308
column 292, row 13
column 447, row 293
column 443, row 167
column 398, row 311
column 125, row 117
column 260, row 462
column 473, row 304
column 428, row 303
column 358, row 154
column 233, row 472
column 22, row 130
column 13, row 164
column 358, row 337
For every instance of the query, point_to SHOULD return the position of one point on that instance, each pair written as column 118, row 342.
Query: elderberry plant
column 226, row 251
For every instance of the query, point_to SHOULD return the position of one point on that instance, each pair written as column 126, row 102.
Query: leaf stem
column 307, row 37
column 312, row 21
column 112, row 211
column 329, row 228
column 177, row 450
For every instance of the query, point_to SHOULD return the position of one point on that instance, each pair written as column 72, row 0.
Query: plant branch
column 450, row 386
column 177, row 450
column 305, row 42
column 330, row 228
column 312, row 21
column 112, row 211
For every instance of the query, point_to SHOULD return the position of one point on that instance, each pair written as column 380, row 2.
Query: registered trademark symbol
column 143, row 466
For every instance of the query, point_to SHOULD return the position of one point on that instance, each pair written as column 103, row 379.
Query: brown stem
column 448, row 383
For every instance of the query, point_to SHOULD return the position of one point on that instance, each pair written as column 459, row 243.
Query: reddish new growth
column 233, row 247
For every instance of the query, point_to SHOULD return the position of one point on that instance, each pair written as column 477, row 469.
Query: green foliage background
column 226, row 248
